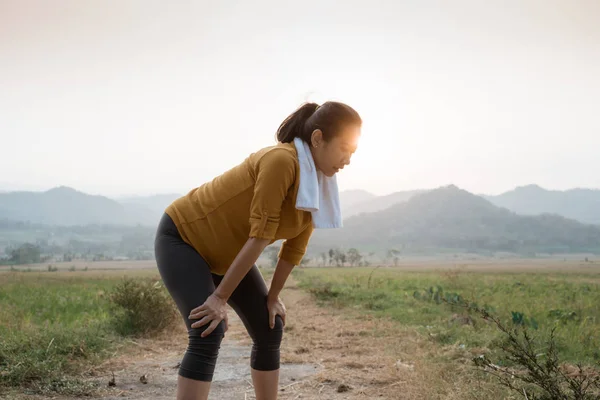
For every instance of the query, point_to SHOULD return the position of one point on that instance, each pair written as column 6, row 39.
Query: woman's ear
column 316, row 138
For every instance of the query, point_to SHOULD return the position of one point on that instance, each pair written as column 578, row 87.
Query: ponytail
column 293, row 125
column 330, row 118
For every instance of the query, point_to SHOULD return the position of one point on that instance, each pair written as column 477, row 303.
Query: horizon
column 151, row 194
column 140, row 99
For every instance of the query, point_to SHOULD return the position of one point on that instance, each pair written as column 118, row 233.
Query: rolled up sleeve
column 293, row 250
column 274, row 173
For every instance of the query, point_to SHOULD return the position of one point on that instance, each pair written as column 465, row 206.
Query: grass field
column 55, row 324
column 568, row 301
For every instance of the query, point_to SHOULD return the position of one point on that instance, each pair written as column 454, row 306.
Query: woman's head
column 331, row 131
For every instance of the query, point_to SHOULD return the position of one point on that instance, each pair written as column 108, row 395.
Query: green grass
column 53, row 325
column 568, row 302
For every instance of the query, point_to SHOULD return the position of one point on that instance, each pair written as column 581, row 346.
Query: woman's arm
column 291, row 254
column 242, row 263
column 274, row 303
column 274, row 173
column 282, row 272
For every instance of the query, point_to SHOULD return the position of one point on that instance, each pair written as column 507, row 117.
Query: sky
column 120, row 97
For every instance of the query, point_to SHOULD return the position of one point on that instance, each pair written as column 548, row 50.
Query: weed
column 536, row 374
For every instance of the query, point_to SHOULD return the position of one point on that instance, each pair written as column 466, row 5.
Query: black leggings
column 189, row 280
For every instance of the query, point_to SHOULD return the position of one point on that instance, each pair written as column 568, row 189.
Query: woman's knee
column 195, row 334
column 266, row 347
column 270, row 335
column 277, row 330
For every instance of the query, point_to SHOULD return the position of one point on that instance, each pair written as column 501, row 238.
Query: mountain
column 349, row 198
column 435, row 220
column 579, row 204
column 68, row 207
column 377, row 203
column 452, row 218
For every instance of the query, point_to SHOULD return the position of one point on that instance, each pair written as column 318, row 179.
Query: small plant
column 142, row 307
column 564, row 316
column 323, row 291
column 52, row 268
column 438, row 296
column 535, row 374
column 72, row 268
column 370, row 276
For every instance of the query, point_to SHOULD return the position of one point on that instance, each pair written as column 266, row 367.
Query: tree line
column 339, row 258
column 133, row 246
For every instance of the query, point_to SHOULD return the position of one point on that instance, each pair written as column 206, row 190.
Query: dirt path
column 148, row 369
column 326, row 354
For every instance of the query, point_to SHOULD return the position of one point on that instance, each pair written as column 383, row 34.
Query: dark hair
column 330, row 118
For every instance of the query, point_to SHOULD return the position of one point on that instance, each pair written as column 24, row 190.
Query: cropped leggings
column 189, row 281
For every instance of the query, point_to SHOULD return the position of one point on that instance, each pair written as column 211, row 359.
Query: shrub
column 142, row 307
column 536, row 372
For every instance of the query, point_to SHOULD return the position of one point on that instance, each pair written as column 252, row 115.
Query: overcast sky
column 140, row 97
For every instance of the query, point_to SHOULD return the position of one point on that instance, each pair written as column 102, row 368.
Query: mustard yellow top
column 256, row 198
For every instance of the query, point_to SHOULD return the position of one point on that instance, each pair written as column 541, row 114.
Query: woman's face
column 332, row 156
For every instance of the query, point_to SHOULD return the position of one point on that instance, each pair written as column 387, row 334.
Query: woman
column 208, row 241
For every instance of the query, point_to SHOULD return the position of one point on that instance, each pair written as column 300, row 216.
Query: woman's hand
column 214, row 310
column 275, row 307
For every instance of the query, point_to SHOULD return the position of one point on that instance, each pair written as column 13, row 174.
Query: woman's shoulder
column 280, row 154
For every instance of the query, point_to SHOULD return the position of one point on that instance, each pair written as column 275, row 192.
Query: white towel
column 317, row 193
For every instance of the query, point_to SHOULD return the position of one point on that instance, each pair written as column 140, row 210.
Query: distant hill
column 349, row 198
column 415, row 221
column 452, row 218
column 579, row 204
column 377, row 203
column 66, row 206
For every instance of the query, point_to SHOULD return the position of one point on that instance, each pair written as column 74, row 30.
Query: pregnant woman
column 208, row 241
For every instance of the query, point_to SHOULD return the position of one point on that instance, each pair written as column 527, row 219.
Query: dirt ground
column 323, row 356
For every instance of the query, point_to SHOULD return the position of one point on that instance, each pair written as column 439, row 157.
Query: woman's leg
column 189, row 281
column 249, row 300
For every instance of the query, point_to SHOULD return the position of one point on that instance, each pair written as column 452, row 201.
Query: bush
column 536, row 372
column 142, row 307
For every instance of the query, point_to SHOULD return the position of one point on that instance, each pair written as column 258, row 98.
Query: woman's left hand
column 275, row 307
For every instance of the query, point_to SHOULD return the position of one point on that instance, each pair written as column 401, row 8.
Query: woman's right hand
column 214, row 310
